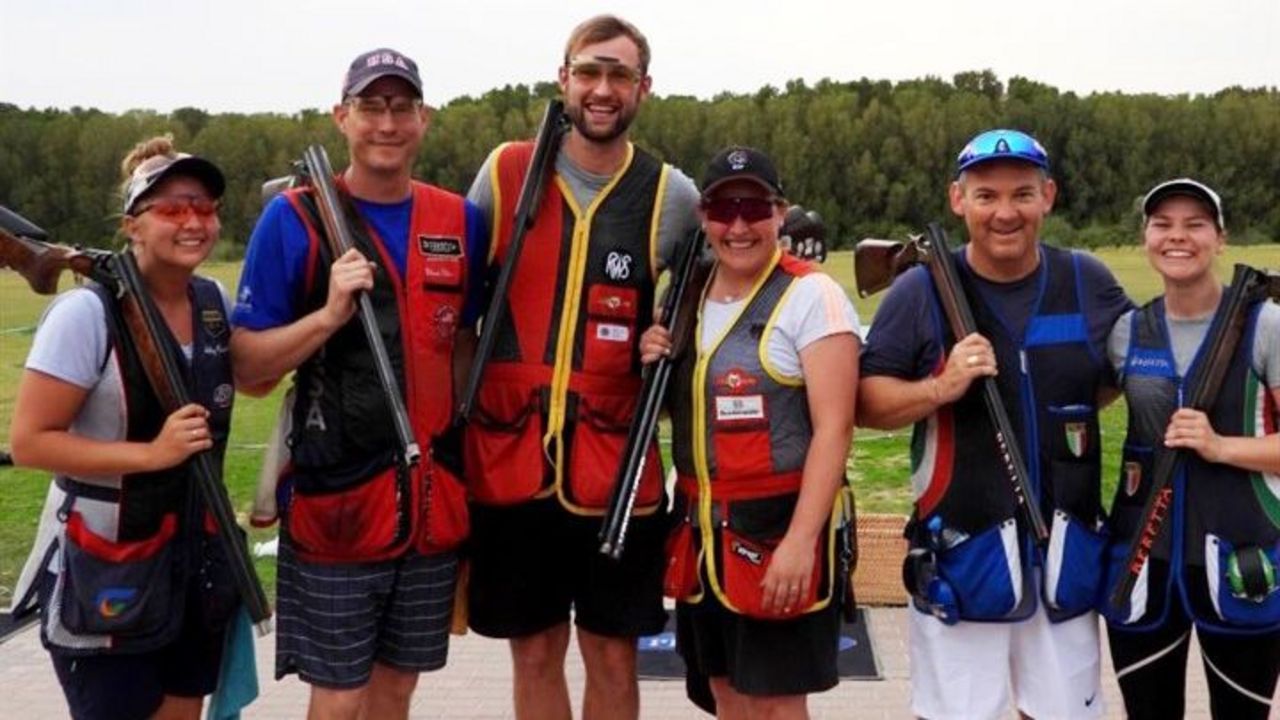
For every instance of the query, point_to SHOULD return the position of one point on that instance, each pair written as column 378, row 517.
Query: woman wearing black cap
column 134, row 604
column 762, row 418
column 1214, row 565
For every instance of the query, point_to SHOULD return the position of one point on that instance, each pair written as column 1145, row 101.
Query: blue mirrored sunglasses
column 1002, row 144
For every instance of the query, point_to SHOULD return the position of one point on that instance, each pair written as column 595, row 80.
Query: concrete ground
column 477, row 683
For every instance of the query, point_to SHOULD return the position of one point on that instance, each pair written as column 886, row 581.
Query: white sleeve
column 1266, row 345
column 815, row 308
column 71, row 342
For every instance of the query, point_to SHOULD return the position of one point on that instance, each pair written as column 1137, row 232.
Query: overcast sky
column 283, row 56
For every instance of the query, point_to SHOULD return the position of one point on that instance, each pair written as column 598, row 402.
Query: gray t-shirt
column 1186, row 335
column 678, row 211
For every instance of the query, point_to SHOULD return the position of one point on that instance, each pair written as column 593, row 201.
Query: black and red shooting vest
column 740, row 434
column 557, row 397
column 352, row 499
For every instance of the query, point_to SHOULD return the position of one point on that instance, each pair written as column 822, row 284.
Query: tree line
column 872, row 157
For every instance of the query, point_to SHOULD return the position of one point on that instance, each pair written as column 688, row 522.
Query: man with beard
column 559, row 391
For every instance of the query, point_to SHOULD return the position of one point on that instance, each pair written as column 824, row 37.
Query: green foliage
column 872, row 157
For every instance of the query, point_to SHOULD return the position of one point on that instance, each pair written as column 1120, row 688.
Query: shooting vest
column 1216, row 509
column 558, row 394
column 352, row 499
column 1049, row 381
column 131, row 545
column 740, row 434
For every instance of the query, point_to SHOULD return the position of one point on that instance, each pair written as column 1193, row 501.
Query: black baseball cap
column 154, row 169
column 374, row 64
column 1189, row 188
column 738, row 162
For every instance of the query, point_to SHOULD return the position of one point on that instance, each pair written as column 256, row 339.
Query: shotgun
column 678, row 309
column 1248, row 286
column 544, row 152
column 334, row 209
column 40, row 264
column 876, row 264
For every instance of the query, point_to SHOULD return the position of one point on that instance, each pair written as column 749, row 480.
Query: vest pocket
column 118, row 588
column 985, row 572
column 610, row 330
column 444, row 520
column 359, row 523
column 744, row 561
column 504, row 444
column 1242, row 582
column 215, row 584
column 680, row 580
column 1074, row 563
column 599, row 438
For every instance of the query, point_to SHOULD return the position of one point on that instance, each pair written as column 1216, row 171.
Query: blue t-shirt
column 271, row 281
column 903, row 341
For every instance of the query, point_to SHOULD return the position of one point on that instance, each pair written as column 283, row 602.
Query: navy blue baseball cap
column 1002, row 144
column 378, row 63
column 1190, row 188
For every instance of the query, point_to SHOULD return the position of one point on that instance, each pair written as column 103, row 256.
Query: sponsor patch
column 1077, row 434
column 215, row 323
column 445, row 323
column 440, row 245
column 735, row 380
column 223, row 394
column 1132, row 478
column 617, row 265
column 739, row 407
column 751, row 555
column 613, row 333
column 113, row 601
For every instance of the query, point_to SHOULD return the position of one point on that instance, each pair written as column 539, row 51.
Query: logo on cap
column 738, row 160
column 386, row 58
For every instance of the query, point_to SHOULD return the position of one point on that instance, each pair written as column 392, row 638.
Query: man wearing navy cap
column 367, row 565
column 993, row 612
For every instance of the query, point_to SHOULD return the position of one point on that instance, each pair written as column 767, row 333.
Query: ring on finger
column 972, row 360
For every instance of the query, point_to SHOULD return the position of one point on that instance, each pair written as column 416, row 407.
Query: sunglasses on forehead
column 177, row 206
column 727, row 209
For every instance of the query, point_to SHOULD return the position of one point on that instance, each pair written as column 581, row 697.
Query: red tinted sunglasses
column 177, row 206
column 750, row 209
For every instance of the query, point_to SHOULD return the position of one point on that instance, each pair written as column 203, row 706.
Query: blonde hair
column 607, row 27
column 160, row 145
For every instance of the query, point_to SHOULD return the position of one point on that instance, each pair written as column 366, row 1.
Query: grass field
column 878, row 462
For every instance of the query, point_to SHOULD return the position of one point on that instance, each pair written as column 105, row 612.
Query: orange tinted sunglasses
column 176, row 207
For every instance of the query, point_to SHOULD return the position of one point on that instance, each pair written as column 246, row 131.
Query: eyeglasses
column 1002, row 144
column 401, row 108
column 590, row 70
column 175, row 207
column 750, row 209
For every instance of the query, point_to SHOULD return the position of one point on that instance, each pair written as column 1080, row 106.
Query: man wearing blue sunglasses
column 997, row 612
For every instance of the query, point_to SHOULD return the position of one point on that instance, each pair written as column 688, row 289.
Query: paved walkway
column 477, row 684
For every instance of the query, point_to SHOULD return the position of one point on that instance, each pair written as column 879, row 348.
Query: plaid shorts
column 334, row 621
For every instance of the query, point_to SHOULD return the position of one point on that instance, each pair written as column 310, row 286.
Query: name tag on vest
column 613, row 333
column 739, row 407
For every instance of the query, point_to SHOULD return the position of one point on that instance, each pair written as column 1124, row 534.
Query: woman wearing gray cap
column 134, row 593
column 1214, row 565
column 762, row 410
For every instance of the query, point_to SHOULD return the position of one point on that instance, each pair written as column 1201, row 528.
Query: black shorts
column 533, row 562
column 1152, row 667
column 131, row 687
column 760, row 657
